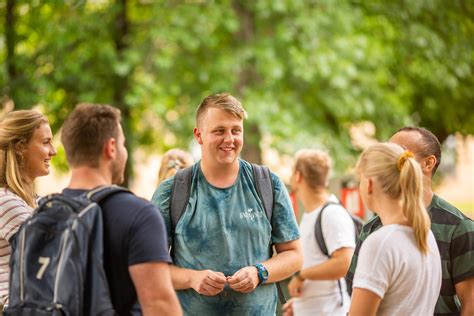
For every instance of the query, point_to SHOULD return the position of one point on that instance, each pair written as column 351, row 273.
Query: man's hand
column 244, row 280
column 288, row 308
column 208, row 282
column 294, row 287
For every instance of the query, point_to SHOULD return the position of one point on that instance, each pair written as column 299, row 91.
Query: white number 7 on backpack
column 44, row 261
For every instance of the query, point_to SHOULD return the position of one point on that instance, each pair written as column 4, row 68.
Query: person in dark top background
column 136, row 259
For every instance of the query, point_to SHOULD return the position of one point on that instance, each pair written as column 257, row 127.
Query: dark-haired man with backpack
column 136, row 258
column 221, row 240
column 328, row 234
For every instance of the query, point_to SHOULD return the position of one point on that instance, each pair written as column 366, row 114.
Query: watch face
column 262, row 272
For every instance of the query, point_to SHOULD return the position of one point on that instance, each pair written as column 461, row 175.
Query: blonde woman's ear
column 370, row 186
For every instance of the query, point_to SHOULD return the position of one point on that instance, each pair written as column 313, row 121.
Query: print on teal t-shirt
column 225, row 230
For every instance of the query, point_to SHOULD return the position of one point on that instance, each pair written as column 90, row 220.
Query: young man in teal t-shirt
column 221, row 243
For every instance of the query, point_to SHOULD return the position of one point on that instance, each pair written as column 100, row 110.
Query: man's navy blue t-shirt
column 134, row 232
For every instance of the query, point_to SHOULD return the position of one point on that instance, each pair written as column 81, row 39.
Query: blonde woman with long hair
column 174, row 160
column 399, row 270
column 25, row 154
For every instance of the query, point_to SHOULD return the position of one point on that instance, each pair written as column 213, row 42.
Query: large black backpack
column 182, row 189
column 56, row 264
column 318, row 232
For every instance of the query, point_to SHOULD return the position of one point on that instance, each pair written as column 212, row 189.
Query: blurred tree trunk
column 247, row 76
column 121, row 81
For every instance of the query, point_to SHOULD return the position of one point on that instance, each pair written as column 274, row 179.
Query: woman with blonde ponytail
column 25, row 154
column 399, row 269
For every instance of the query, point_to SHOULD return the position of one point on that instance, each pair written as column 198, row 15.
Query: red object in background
column 351, row 200
column 294, row 203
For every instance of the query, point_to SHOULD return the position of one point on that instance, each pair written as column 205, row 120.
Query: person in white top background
column 25, row 154
column 399, row 270
column 319, row 287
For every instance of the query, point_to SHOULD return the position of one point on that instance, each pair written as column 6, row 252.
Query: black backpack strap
column 100, row 193
column 318, row 230
column 180, row 194
column 264, row 185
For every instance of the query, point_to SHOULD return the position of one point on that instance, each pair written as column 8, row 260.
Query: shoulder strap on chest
column 318, row 231
column 180, row 194
column 264, row 185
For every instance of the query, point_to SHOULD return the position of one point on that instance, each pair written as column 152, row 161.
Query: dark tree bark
column 121, row 82
column 10, row 39
column 251, row 151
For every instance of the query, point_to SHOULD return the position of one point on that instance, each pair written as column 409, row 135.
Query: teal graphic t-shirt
column 225, row 230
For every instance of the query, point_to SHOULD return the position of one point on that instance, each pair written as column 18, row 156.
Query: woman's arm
column 364, row 303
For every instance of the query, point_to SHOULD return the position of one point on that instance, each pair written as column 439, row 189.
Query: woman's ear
column 19, row 149
column 370, row 186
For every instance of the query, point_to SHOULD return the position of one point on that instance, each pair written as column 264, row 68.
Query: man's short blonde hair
column 315, row 166
column 223, row 101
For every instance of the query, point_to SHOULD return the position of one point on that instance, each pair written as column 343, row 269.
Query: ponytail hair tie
column 401, row 161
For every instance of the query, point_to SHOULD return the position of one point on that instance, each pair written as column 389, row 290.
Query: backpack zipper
column 22, row 251
column 60, row 265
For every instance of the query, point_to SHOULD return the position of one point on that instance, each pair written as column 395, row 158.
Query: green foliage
column 306, row 71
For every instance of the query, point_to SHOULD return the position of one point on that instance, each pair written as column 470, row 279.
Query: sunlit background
column 330, row 74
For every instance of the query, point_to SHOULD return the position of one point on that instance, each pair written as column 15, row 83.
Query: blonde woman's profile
column 25, row 153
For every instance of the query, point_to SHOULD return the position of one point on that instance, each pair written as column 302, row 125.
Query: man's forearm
column 328, row 270
column 465, row 292
column 152, row 281
column 283, row 265
column 165, row 306
column 181, row 277
column 467, row 309
column 334, row 268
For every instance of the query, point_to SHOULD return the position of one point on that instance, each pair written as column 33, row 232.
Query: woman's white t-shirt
column 391, row 266
column 323, row 297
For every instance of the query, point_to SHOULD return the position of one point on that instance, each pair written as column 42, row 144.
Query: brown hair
column 223, row 101
column 86, row 130
column 173, row 160
column 315, row 167
column 430, row 144
column 16, row 130
column 401, row 178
